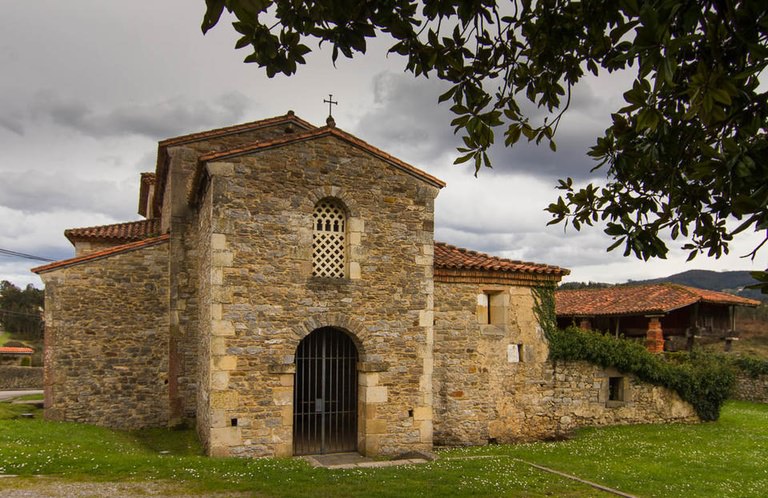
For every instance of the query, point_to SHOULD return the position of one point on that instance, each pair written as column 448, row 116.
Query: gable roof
column 458, row 265
column 325, row 131
column 118, row 232
column 639, row 300
column 161, row 169
column 110, row 251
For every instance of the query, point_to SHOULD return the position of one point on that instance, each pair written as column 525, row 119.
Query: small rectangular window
column 615, row 388
column 515, row 353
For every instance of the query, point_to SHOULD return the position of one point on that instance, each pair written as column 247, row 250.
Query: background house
column 10, row 355
column 666, row 316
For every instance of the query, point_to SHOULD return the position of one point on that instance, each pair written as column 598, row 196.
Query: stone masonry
column 106, row 338
column 203, row 322
column 493, row 382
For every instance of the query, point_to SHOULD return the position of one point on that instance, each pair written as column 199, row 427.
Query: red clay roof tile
column 111, row 251
column 14, row 350
column 119, row 232
column 639, row 299
column 452, row 257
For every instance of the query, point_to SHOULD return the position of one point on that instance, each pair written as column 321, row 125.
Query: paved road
column 12, row 394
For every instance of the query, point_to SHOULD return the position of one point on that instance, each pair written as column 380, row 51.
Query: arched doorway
column 325, row 394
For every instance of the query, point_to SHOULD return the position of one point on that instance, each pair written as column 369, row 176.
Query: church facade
column 285, row 294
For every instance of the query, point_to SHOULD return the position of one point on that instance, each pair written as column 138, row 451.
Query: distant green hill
column 733, row 282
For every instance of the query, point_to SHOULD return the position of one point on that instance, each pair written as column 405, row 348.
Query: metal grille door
column 325, row 394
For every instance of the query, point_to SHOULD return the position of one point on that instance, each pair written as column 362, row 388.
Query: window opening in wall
column 491, row 308
column 328, row 239
column 615, row 388
column 515, row 353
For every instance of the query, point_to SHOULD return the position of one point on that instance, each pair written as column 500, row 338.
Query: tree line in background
column 21, row 310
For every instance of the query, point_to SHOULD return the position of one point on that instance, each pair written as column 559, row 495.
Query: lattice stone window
column 328, row 239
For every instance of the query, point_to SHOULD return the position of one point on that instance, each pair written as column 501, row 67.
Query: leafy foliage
column 686, row 152
column 20, row 310
column 703, row 380
column 754, row 367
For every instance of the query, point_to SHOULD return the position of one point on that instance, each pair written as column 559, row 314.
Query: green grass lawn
column 725, row 458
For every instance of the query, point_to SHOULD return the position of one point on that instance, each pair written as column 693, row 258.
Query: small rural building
column 10, row 355
column 285, row 295
column 666, row 316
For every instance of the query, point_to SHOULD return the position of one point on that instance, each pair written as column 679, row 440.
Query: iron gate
column 325, row 394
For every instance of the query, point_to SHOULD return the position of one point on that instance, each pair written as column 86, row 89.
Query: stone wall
column 206, row 340
column 181, row 159
column 493, row 382
column 264, row 299
column 13, row 377
column 748, row 388
column 181, row 222
column 581, row 398
column 106, row 339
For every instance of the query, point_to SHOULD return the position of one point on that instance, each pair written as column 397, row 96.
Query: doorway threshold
column 355, row 460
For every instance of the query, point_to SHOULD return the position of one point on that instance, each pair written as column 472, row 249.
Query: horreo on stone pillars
column 654, row 337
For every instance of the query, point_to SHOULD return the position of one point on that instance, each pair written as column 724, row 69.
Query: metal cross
column 330, row 103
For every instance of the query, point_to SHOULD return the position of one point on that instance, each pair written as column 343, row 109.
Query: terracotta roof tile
column 119, row 232
column 639, row 299
column 13, row 350
column 111, row 251
column 452, row 257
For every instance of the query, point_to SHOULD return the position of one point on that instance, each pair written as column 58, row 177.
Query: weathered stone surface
column 106, row 349
column 752, row 389
column 15, row 377
column 494, row 383
column 251, row 226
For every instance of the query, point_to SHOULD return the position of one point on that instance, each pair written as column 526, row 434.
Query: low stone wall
column 582, row 399
column 748, row 388
column 12, row 377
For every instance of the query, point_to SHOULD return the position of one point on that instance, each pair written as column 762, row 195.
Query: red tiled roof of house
column 452, row 257
column 310, row 135
column 639, row 299
column 111, row 251
column 119, row 232
column 15, row 350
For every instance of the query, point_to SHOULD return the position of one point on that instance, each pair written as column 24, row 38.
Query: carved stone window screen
column 329, row 230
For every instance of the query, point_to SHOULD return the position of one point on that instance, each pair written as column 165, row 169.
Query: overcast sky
column 88, row 88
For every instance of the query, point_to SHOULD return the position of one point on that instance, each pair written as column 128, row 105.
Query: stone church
column 285, row 295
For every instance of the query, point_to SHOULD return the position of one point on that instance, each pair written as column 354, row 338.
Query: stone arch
column 351, row 326
column 333, row 192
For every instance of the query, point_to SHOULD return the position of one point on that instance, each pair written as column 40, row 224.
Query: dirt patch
column 18, row 487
